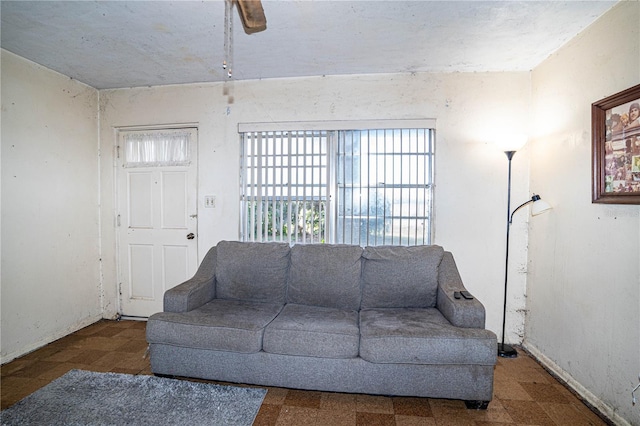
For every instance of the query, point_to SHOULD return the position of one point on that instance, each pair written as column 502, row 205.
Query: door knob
column 190, row 236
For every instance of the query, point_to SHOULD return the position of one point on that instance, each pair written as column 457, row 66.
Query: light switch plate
column 210, row 201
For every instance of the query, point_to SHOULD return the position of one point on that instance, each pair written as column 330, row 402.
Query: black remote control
column 466, row 294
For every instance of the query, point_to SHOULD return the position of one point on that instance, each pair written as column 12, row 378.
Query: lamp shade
column 511, row 143
column 539, row 206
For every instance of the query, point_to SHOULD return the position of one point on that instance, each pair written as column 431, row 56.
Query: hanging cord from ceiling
column 227, row 63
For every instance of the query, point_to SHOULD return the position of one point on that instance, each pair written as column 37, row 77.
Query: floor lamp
column 538, row 206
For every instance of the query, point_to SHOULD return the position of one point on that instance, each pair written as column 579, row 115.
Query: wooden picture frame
column 615, row 132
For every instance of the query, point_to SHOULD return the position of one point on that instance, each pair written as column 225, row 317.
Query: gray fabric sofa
column 374, row 320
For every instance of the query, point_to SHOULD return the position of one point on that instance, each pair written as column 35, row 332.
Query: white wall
column 584, row 286
column 50, row 251
column 471, row 174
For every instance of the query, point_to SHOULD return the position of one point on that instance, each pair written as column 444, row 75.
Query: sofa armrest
column 196, row 291
column 460, row 312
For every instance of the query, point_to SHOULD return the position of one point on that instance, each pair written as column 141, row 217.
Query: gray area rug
column 87, row 398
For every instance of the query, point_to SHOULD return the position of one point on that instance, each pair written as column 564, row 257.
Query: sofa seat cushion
column 221, row 325
column 313, row 331
column 422, row 336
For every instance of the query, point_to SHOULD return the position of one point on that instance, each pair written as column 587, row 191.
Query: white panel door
column 156, row 225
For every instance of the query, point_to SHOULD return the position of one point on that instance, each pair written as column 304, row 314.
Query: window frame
column 332, row 128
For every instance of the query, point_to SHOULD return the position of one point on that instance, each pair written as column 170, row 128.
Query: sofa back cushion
column 400, row 277
column 325, row 275
column 252, row 271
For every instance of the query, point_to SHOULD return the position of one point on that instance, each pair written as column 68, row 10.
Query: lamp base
column 506, row 351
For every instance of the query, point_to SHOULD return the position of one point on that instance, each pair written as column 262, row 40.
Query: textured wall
column 584, row 287
column 50, row 247
column 471, row 174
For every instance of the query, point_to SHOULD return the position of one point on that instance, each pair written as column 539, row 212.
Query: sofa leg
column 476, row 405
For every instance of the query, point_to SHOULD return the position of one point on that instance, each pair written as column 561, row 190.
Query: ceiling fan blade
column 252, row 15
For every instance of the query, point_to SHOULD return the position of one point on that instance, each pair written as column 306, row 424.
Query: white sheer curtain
column 154, row 149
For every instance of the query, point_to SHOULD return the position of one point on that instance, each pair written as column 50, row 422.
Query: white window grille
column 366, row 187
column 285, row 191
column 384, row 186
column 156, row 148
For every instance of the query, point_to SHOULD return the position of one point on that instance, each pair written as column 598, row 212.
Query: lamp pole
column 507, row 351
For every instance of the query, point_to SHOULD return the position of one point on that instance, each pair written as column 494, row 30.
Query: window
column 156, row 148
column 285, row 186
column 366, row 187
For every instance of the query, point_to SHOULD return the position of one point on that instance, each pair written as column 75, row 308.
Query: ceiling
column 114, row 44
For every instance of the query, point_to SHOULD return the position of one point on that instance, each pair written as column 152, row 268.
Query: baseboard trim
column 574, row 385
column 132, row 318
